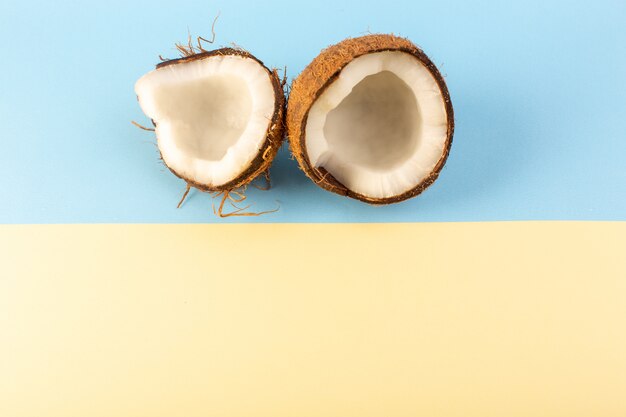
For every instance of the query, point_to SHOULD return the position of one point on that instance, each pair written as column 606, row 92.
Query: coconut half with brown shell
column 218, row 116
column 371, row 118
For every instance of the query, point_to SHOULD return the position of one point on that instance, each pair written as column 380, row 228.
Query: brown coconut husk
column 274, row 135
column 320, row 74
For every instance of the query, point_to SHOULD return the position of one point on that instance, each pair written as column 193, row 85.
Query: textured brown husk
column 273, row 137
column 320, row 74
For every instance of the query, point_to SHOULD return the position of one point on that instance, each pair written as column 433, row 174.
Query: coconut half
column 218, row 117
column 371, row 118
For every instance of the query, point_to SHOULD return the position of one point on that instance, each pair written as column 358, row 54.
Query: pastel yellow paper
column 486, row 319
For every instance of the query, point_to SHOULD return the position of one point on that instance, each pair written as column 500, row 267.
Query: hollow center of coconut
column 212, row 115
column 380, row 127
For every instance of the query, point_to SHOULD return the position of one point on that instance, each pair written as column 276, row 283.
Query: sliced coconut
column 371, row 118
column 217, row 115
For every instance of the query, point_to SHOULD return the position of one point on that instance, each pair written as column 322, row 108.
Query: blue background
column 538, row 86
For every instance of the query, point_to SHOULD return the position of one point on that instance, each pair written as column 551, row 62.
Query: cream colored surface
column 501, row 319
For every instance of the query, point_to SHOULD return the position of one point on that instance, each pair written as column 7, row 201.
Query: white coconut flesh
column 381, row 126
column 212, row 115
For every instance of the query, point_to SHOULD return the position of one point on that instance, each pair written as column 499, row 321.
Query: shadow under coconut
column 302, row 200
column 287, row 175
column 490, row 156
